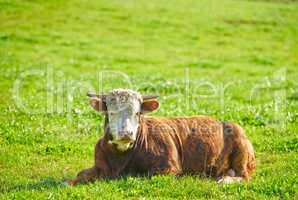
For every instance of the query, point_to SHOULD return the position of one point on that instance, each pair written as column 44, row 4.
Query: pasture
column 234, row 60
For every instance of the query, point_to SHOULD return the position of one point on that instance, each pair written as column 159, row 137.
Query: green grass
column 186, row 51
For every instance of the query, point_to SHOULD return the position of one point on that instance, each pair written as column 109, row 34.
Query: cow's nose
column 126, row 134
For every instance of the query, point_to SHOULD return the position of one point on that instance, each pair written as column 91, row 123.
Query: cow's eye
column 112, row 114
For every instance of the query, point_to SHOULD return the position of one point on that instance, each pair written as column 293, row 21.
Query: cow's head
column 123, row 108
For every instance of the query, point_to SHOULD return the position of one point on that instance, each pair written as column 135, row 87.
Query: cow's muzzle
column 126, row 137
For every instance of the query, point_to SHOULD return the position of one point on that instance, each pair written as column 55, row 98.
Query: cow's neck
column 119, row 160
column 141, row 140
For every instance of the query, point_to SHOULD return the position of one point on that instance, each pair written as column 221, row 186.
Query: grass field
column 234, row 60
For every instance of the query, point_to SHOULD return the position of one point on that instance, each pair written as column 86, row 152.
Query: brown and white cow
column 135, row 144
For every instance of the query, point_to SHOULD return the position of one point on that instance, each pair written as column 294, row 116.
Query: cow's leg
column 164, row 168
column 238, row 171
column 86, row 175
column 242, row 160
column 163, row 171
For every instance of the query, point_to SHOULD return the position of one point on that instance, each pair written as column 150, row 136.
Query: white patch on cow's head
column 123, row 108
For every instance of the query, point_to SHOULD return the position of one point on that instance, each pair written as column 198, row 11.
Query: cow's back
column 194, row 143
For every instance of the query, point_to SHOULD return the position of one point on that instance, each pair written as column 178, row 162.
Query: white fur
column 123, row 107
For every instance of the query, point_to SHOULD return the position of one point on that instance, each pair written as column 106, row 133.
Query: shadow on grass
column 50, row 183
column 44, row 184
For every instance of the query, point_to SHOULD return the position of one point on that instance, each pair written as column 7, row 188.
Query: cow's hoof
column 229, row 180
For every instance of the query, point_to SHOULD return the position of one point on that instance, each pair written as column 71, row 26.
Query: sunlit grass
column 234, row 60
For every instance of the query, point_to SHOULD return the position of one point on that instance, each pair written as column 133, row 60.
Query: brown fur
column 197, row 145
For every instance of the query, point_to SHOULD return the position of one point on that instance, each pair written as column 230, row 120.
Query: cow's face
column 123, row 112
column 123, row 109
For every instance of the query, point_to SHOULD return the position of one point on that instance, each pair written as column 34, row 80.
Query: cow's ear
column 98, row 104
column 150, row 105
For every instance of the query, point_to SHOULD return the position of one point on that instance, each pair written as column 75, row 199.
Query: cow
column 134, row 144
